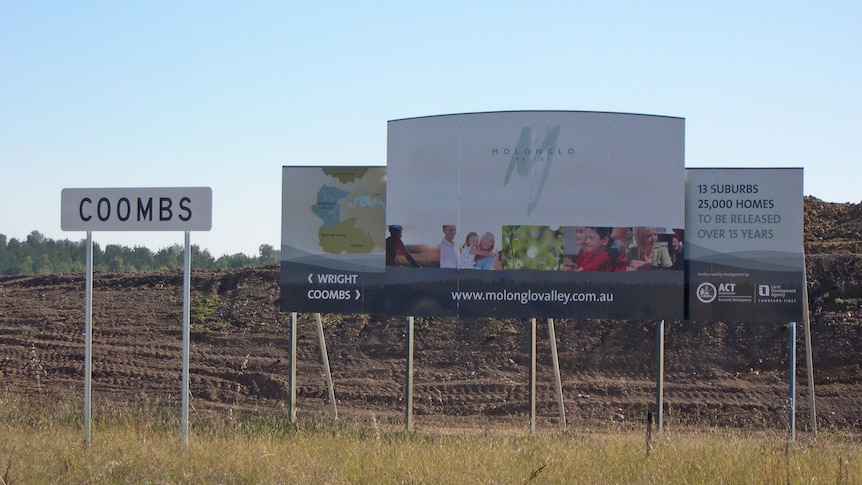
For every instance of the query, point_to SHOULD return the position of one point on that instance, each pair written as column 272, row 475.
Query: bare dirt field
column 469, row 372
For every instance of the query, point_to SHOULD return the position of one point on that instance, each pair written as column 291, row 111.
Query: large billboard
column 333, row 239
column 536, row 214
column 744, row 244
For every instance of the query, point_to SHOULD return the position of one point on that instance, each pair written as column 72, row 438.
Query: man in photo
column 448, row 254
column 395, row 246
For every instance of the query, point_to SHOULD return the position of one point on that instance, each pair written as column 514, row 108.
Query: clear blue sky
column 223, row 94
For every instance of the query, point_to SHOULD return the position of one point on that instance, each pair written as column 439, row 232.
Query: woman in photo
column 485, row 254
column 647, row 254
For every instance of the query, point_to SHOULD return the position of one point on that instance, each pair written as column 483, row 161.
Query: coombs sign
column 136, row 209
column 536, row 214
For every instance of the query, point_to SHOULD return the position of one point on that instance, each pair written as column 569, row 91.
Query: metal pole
column 88, row 341
column 659, row 386
column 408, row 387
column 810, row 368
column 532, row 375
column 291, row 384
column 558, row 385
column 792, row 380
column 325, row 357
column 187, row 283
column 809, row 364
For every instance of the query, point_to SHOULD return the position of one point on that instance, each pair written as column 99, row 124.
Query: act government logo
column 706, row 292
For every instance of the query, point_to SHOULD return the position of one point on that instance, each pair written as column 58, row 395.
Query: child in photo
column 467, row 258
column 597, row 252
column 570, row 262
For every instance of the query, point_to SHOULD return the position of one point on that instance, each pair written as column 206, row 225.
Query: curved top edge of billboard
column 336, row 165
column 536, row 111
column 714, row 169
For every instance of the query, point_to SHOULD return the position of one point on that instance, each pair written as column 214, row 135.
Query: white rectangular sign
column 137, row 209
column 744, row 244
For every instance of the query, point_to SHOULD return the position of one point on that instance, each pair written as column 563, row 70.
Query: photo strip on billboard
column 744, row 244
column 333, row 245
column 536, row 214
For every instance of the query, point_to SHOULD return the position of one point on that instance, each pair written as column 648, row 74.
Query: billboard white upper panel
column 137, row 209
column 539, row 167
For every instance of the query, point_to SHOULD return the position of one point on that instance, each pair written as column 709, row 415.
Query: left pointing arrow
column 309, row 277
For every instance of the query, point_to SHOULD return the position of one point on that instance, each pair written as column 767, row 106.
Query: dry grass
column 42, row 443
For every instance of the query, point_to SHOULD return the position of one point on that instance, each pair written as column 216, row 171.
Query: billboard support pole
column 408, row 386
column 291, row 377
column 187, row 266
column 88, row 341
column 659, row 385
column 792, row 381
column 532, row 375
column 558, row 385
column 809, row 364
column 325, row 357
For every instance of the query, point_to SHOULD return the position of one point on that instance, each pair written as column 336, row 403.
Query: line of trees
column 41, row 255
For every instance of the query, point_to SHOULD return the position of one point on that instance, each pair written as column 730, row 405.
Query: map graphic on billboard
column 536, row 214
column 744, row 244
column 333, row 239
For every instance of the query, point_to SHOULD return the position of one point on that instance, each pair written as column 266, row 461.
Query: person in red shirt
column 597, row 252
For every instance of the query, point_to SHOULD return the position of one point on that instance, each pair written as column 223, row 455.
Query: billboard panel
column 744, row 244
column 333, row 239
column 549, row 201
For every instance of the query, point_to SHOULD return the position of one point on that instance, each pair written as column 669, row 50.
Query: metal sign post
column 558, row 384
column 659, row 384
column 325, row 357
column 408, row 386
column 809, row 365
column 187, row 265
column 792, row 381
column 532, row 375
column 135, row 209
column 291, row 405
column 88, row 341
column 291, row 378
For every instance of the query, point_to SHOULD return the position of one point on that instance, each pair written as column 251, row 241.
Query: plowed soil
column 468, row 373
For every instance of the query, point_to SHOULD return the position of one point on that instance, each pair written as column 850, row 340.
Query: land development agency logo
column 776, row 294
column 706, row 292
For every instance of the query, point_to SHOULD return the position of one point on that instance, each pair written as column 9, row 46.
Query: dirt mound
column 832, row 228
column 471, row 372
